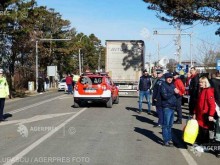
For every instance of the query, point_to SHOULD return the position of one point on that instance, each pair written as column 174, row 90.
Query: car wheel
column 109, row 103
column 116, row 100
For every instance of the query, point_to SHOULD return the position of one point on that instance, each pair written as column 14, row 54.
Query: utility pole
column 158, row 52
column 80, row 62
column 178, row 42
column 149, row 57
column 179, row 52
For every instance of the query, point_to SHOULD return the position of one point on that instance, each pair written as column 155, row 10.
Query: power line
column 205, row 41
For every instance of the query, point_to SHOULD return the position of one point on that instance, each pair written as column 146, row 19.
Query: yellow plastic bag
column 191, row 131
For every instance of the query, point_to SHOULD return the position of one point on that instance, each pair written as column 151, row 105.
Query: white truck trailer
column 125, row 61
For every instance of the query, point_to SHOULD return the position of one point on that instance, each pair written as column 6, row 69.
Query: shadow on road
column 144, row 119
column 131, row 109
column 178, row 138
column 149, row 134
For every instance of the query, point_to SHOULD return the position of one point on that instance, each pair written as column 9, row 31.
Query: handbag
column 191, row 131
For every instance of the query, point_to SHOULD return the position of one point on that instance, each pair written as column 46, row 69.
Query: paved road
column 45, row 129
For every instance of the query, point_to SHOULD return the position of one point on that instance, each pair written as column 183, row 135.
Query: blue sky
column 130, row 19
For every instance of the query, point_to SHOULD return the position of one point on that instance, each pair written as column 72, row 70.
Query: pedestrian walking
column 144, row 88
column 204, row 110
column 193, row 89
column 4, row 93
column 69, row 82
column 40, row 85
column 156, row 97
column 180, row 86
column 154, row 79
column 168, row 96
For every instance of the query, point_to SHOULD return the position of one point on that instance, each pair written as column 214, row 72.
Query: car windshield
column 91, row 80
column 63, row 80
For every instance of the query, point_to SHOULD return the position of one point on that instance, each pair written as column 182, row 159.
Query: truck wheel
column 76, row 105
column 116, row 100
column 109, row 103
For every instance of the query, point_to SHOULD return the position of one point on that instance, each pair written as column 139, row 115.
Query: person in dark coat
column 156, row 97
column 169, row 103
column 144, row 88
column 40, row 85
column 193, row 89
column 215, row 83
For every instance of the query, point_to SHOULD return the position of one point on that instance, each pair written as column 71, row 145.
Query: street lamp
column 44, row 39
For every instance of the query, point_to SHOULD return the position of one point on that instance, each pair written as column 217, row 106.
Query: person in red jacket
column 204, row 110
column 69, row 82
column 180, row 86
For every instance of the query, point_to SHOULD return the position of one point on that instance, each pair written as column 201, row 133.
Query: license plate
column 90, row 91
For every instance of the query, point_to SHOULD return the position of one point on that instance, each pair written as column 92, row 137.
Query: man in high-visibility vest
column 4, row 93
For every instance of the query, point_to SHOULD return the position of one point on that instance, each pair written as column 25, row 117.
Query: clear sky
column 130, row 20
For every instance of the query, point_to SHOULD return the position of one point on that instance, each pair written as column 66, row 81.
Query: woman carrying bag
column 204, row 111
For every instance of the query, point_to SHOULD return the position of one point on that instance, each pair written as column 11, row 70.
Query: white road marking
column 19, row 156
column 34, row 105
column 188, row 157
column 35, row 118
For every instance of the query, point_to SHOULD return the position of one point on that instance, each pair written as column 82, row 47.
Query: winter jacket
column 4, row 89
column 168, row 96
column 156, row 97
column 205, row 106
column 144, row 83
column 180, row 86
column 194, row 86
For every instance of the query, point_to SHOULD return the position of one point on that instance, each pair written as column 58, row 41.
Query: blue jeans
column 70, row 88
column 160, row 115
column 145, row 94
column 168, row 116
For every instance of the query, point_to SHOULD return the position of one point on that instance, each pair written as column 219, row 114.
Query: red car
column 95, row 87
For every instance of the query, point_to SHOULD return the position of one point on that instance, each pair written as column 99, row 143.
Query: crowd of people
column 167, row 91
